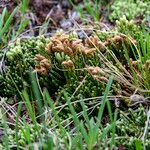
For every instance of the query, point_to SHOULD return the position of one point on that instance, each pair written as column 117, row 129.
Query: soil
column 10, row 4
column 58, row 12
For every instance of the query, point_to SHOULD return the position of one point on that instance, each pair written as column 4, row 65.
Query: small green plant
column 130, row 8
column 5, row 25
column 8, row 29
column 66, row 62
column 19, row 60
column 128, row 27
column 89, row 8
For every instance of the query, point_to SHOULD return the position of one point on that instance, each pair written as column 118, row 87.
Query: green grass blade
column 85, row 115
column 109, row 110
column 17, row 125
column 100, row 113
column 113, row 129
column 24, row 6
column 24, row 23
column 2, row 17
column 79, row 125
column 52, row 105
column 7, row 25
column 138, row 145
column 50, row 102
column 29, row 106
column 36, row 92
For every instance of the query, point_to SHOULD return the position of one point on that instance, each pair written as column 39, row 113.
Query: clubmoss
column 129, row 126
column 19, row 61
column 130, row 8
column 128, row 27
column 65, row 62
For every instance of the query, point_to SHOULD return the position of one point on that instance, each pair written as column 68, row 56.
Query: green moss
column 130, row 127
column 128, row 27
column 19, row 61
column 130, row 8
